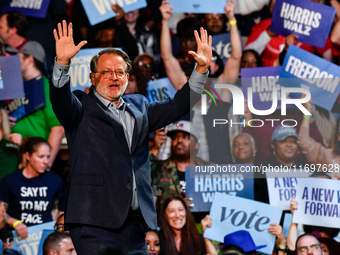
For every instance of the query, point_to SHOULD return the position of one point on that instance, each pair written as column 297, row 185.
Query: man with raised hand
column 110, row 200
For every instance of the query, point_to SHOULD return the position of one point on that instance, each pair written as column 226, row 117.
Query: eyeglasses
column 108, row 73
column 313, row 247
column 141, row 64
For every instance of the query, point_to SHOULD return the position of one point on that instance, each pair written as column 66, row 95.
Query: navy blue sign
column 311, row 72
column 201, row 184
column 32, row 8
column 221, row 44
column 11, row 83
column 309, row 20
column 33, row 100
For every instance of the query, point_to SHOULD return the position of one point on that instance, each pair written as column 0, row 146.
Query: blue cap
column 280, row 133
column 243, row 240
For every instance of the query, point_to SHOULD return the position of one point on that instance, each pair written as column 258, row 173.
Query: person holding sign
column 316, row 153
column 110, row 199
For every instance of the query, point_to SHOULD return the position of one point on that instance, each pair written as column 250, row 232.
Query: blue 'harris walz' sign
column 32, row 8
column 310, row 21
column 203, row 181
column 99, row 10
column 308, row 71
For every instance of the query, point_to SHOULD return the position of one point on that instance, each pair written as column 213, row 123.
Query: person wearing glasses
column 110, row 200
column 308, row 244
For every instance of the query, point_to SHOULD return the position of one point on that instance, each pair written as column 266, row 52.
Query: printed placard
column 221, row 44
column 160, row 89
column 282, row 189
column 30, row 245
column 100, row 10
column 262, row 81
column 230, row 214
column 311, row 72
column 318, row 202
column 198, row 6
column 32, row 8
column 201, row 187
column 310, row 21
column 80, row 68
column 11, row 82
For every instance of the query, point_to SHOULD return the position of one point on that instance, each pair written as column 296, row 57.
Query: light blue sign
column 80, row 68
column 30, row 245
column 198, row 6
column 32, row 8
column 311, row 72
column 201, row 187
column 310, row 21
column 221, row 44
column 100, row 10
column 160, row 89
column 230, row 214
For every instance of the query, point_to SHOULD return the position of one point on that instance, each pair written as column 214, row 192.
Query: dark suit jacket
column 100, row 189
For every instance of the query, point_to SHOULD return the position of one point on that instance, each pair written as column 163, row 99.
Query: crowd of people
column 34, row 157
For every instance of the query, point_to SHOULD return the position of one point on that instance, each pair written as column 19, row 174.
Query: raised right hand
column 166, row 10
column 64, row 43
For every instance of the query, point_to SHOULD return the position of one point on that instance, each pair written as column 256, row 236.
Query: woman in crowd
column 244, row 149
column 179, row 234
column 31, row 192
column 152, row 241
column 315, row 152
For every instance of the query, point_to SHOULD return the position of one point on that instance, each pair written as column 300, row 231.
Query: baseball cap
column 31, row 48
column 280, row 133
column 184, row 126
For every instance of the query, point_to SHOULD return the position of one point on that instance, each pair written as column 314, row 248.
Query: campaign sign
column 30, row 245
column 221, row 44
column 318, row 202
column 32, row 8
column 282, row 189
column 44, row 235
column 262, row 81
column 201, row 187
column 310, row 21
column 311, row 72
column 230, row 214
column 33, row 100
column 80, row 68
column 160, row 89
column 198, row 6
column 11, row 83
column 99, row 10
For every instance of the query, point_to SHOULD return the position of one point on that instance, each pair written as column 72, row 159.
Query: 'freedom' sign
column 230, row 214
column 100, row 10
column 33, row 8
column 311, row 72
column 318, row 202
column 310, row 21
column 201, row 187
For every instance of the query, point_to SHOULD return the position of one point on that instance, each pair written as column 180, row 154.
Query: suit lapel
column 138, row 124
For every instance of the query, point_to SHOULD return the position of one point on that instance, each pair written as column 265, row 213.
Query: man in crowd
column 58, row 243
column 42, row 122
column 110, row 197
column 308, row 244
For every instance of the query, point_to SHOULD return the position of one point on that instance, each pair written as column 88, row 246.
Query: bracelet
column 308, row 117
column 15, row 224
column 232, row 22
column 282, row 248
